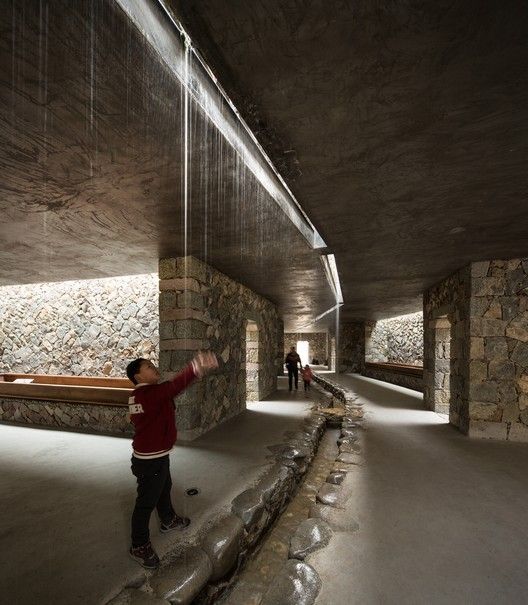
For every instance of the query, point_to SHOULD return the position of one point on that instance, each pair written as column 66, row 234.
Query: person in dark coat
column 293, row 363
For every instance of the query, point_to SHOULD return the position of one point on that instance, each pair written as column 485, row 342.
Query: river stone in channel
column 222, row 544
column 330, row 494
column 292, row 453
column 347, row 442
column 183, row 577
column 275, row 484
column 338, row 520
column 248, row 506
column 353, row 448
column 311, row 535
column 133, row 596
column 296, row 584
column 336, row 477
column 349, row 458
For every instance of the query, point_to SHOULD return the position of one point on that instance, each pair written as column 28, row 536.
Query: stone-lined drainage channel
column 212, row 569
column 278, row 574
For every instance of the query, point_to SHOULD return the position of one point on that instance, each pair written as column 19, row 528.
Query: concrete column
column 201, row 308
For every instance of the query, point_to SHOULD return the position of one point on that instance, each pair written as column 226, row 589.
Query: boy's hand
column 204, row 362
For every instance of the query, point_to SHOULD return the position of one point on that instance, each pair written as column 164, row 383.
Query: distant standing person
column 151, row 409
column 293, row 363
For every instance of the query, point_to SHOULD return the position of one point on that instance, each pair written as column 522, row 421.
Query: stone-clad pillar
column 201, row 308
column 184, row 329
column 351, row 353
column 498, row 393
column 476, row 349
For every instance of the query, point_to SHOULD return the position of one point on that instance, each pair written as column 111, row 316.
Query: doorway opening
column 303, row 350
column 252, row 361
column 442, row 365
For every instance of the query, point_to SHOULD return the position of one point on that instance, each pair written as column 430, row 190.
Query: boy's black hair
column 133, row 368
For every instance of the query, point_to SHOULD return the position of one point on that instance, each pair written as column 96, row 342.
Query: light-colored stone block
column 480, row 429
column 476, row 348
column 518, row 328
column 181, row 284
column 518, row 432
column 511, row 412
column 183, row 344
column 480, row 269
column 478, row 371
column 479, row 410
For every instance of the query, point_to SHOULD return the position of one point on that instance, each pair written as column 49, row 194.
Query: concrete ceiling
column 91, row 161
column 402, row 128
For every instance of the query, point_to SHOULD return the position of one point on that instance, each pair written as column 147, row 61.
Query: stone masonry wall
column 351, row 354
column 403, row 380
column 498, row 369
column 395, row 340
column 88, row 327
column 446, row 372
column 201, row 308
column 476, row 348
column 317, row 343
column 65, row 415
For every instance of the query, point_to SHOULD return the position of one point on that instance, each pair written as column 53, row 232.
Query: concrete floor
column 66, row 500
column 442, row 517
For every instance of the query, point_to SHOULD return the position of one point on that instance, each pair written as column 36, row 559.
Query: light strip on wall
column 211, row 96
column 330, row 267
column 315, row 320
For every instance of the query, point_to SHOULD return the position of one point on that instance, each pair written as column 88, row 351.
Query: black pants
column 306, row 385
column 293, row 372
column 153, row 492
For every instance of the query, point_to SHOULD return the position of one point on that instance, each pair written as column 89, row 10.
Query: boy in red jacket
column 151, row 409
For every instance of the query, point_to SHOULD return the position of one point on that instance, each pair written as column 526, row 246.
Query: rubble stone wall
column 65, row 415
column 410, row 381
column 395, row 340
column 201, row 308
column 86, row 327
column 317, row 342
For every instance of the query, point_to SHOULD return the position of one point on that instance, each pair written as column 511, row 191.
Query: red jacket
column 151, row 409
column 307, row 374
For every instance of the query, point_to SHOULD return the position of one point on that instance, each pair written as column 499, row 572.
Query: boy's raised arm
column 199, row 366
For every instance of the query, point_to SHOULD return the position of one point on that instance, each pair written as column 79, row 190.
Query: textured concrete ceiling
column 402, row 127
column 91, row 161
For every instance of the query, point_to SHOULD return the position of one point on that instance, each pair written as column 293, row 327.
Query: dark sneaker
column 145, row 556
column 176, row 523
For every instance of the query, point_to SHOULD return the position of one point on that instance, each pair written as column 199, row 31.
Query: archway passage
column 252, row 361
column 442, row 365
